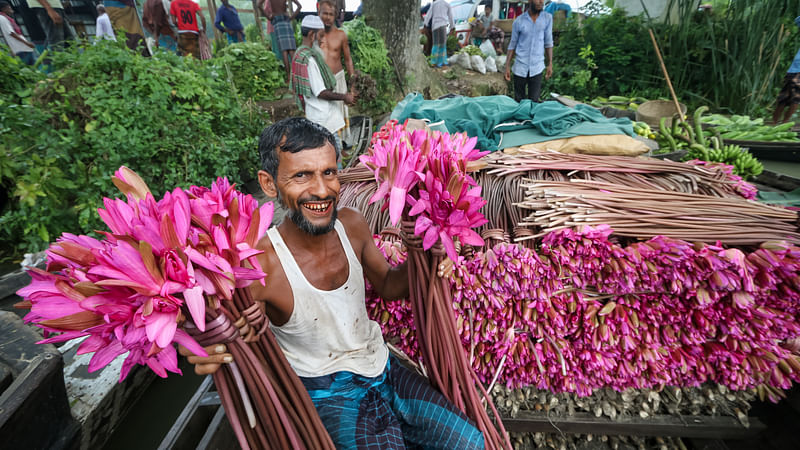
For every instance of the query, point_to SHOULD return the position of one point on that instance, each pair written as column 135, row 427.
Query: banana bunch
column 706, row 145
column 744, row 164
column 643, row 129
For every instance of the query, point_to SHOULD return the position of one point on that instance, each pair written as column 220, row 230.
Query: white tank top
column 329, row 331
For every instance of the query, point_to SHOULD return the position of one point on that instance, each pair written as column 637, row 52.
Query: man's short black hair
column 4, row 4
column 291, row 135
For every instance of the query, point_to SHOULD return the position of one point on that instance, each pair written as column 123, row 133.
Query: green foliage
column 173, row 120
column 251, row 33
column 732, row 59
column 371, row 57
column 452, row 44
column 252, row 69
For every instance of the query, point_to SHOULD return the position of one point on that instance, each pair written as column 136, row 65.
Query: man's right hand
column 507, row 75
column 206, row 365
column 350, row 99
column 54, row 16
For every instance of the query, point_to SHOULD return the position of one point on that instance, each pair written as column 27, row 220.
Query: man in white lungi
column 335, row 48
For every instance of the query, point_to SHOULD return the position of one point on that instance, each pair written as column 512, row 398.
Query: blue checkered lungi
column 395, row 410
column 284, row 32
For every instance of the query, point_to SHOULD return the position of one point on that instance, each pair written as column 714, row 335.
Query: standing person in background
column 440, row 15
column 266, row 8
column 486, row 30
column 284, row 32
column 339, row 13
column 184, row 14
column 19, row 46
column 313, row 83
column 335, row 47
column 57, row 29
column 103, row 28
column 228, row 22
column 531, row 41
column 155, row 18
column 790, row 93
column 124, row 17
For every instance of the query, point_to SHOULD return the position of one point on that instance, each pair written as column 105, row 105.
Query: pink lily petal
column 197, row 306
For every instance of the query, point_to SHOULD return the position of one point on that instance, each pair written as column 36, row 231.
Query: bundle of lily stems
column 566, row 190
column 176, row 271
column 422, row 178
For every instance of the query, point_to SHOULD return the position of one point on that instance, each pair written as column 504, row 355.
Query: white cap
column 313, row 22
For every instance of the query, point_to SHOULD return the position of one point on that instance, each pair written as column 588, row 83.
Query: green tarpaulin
column 780, row 198
column 500, row 122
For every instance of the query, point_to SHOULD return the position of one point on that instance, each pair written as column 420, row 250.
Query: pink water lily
column 161, row 261
column 424, row 176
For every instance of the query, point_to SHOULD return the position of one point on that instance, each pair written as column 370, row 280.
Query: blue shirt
column 795, row 67
column 229, row 17
column 528, row 40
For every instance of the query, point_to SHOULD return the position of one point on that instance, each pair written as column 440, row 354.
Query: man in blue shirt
column 228, row 22
column 531, row 42
column 790, row 93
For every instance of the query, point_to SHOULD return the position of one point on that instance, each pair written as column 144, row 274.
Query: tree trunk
column 399, row 21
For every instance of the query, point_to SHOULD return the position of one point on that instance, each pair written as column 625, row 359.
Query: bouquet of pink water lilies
column 176, row 271
column 422, row 178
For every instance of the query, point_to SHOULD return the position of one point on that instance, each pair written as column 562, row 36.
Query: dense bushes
column 733, row 58
column 173, row 120
column 254, row 70
column 371, row 57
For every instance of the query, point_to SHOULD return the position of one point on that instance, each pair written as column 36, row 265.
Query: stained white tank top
column 329, row 331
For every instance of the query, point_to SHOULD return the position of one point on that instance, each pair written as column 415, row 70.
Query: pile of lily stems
column 504, row 194
column 266, row 404
column 445, row 361
column 640, row 172
column 646, row 213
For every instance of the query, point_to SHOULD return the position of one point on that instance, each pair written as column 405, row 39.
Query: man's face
column 8, row 10
column 487, row 11
column 536, row 5
column 308, row 186
column 327, row 15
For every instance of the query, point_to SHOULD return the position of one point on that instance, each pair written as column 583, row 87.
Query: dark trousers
column 527, row 87
column 55, row 35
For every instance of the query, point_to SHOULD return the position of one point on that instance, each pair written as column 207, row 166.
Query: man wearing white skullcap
column 313, row 83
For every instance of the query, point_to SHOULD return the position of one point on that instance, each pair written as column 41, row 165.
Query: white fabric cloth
column 439, row 15
column 329, row 331
column 53, row 4
column 324, row 112
column 341, row 88
column 13, row 44
column 103, row 28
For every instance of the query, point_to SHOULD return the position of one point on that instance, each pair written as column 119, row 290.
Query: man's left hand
column 548, row 72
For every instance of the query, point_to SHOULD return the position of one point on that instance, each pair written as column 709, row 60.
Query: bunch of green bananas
column 643, row 129
column 744, row 164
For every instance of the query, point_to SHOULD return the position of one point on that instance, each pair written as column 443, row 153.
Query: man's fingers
column 211, row 350
column 206, row 369
column 221, row 358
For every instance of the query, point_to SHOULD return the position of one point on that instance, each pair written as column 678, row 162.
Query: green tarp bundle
column 500, row 122
column 780, row 198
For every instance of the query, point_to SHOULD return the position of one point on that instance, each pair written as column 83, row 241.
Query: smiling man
column 317, row 259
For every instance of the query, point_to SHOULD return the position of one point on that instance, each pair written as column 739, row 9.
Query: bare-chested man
column 284, row 32
column 334, row 47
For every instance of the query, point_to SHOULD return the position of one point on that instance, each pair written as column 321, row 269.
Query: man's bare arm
column 348, row 60
column 389, row 282
column 54, row 16
column 296, row 11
